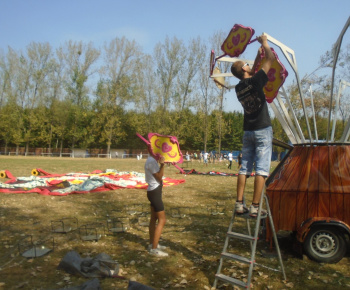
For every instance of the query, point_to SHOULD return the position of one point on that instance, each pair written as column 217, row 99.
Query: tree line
column 81, row 96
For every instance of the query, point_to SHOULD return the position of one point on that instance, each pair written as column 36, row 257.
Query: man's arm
column 269, row 56
column 257, row 60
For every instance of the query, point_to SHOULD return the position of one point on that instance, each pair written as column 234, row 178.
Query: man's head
column 239, row 68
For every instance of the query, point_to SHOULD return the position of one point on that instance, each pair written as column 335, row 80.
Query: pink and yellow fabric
column 163, row 145
column 237, row 40
column 166, row 146
column 276, row 77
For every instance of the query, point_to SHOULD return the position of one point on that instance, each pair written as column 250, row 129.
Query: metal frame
column 290, row 56
column 336, row 51
column 298, row 133
column 345, row 136
column 313, row 113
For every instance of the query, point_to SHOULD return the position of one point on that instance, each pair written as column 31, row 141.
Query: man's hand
column 262, row 38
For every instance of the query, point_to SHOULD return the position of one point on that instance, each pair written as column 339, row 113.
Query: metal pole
column 335, row 59
column 313, row 114
column 290, row 56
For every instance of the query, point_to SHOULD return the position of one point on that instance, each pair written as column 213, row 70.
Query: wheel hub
column 323, row 243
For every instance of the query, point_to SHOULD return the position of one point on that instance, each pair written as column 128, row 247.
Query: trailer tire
column 325, row 245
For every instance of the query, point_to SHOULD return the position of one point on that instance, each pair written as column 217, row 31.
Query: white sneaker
column 159, row 247
column 253, row 211
column 240, row 208
column 158, row 253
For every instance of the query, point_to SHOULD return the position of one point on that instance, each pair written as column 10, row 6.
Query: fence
column 76, row 153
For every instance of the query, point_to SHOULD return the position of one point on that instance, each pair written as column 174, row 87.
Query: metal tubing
column 313, row 114
column 288, row 53
column 336, row 51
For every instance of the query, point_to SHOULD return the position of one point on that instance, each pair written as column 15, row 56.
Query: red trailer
column 309, row 194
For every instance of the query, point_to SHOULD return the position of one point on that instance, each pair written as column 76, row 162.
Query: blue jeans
column 257, row 148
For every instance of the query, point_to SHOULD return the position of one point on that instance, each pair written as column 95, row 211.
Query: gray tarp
column 89, row 285
column 133, row 285
column 100, row 266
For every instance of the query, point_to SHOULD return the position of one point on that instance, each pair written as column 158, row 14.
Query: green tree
column 169, row 57
column 79, row 61
column 116, row 87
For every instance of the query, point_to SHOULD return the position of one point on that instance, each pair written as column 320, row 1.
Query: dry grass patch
column 194, row 240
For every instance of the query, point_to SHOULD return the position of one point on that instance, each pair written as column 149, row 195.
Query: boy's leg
column 160, row 216
column 152, row 225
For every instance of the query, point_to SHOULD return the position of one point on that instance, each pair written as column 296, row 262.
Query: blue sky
column 309, row 27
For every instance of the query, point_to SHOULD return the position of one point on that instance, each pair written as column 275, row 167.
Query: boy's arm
column 159, row 175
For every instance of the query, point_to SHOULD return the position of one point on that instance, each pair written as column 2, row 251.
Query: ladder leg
column 255, row 241
column 275, row 237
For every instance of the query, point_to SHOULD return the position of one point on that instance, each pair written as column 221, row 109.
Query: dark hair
column 236, row 69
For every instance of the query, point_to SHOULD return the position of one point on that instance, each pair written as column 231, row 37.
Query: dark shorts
column 155, row 198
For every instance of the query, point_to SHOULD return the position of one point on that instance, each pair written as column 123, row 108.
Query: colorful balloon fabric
column 276, row 77
column 46, row 183
column 164, row 145
column 237, row 40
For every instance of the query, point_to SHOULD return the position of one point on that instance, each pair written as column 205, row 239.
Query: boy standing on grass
column 153, row 175
column 257, row 138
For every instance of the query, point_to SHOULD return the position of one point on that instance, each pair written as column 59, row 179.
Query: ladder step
column 236, row 257
column 240, row 236
column 231, row 280
column 248, row 217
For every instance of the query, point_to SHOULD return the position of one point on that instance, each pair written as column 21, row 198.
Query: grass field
column 194, row 241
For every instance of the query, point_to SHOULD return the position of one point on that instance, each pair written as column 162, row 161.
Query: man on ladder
column 257, row 149
column 257, row 138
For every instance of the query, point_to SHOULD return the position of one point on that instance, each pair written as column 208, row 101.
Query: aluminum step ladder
column 253, row 239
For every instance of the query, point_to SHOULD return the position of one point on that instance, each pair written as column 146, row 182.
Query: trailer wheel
column 325, row 245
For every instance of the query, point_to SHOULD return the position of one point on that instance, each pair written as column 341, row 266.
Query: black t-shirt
column 251, row 95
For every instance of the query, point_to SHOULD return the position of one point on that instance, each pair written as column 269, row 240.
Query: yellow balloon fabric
column 35, row 172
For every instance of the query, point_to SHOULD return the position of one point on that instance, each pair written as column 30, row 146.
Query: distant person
column 153, row 175
column 239, row 159
column 257, row 137
column 230, row 158
column 205, row 158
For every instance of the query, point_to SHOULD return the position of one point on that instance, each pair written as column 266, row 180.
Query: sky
column 309, row 27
